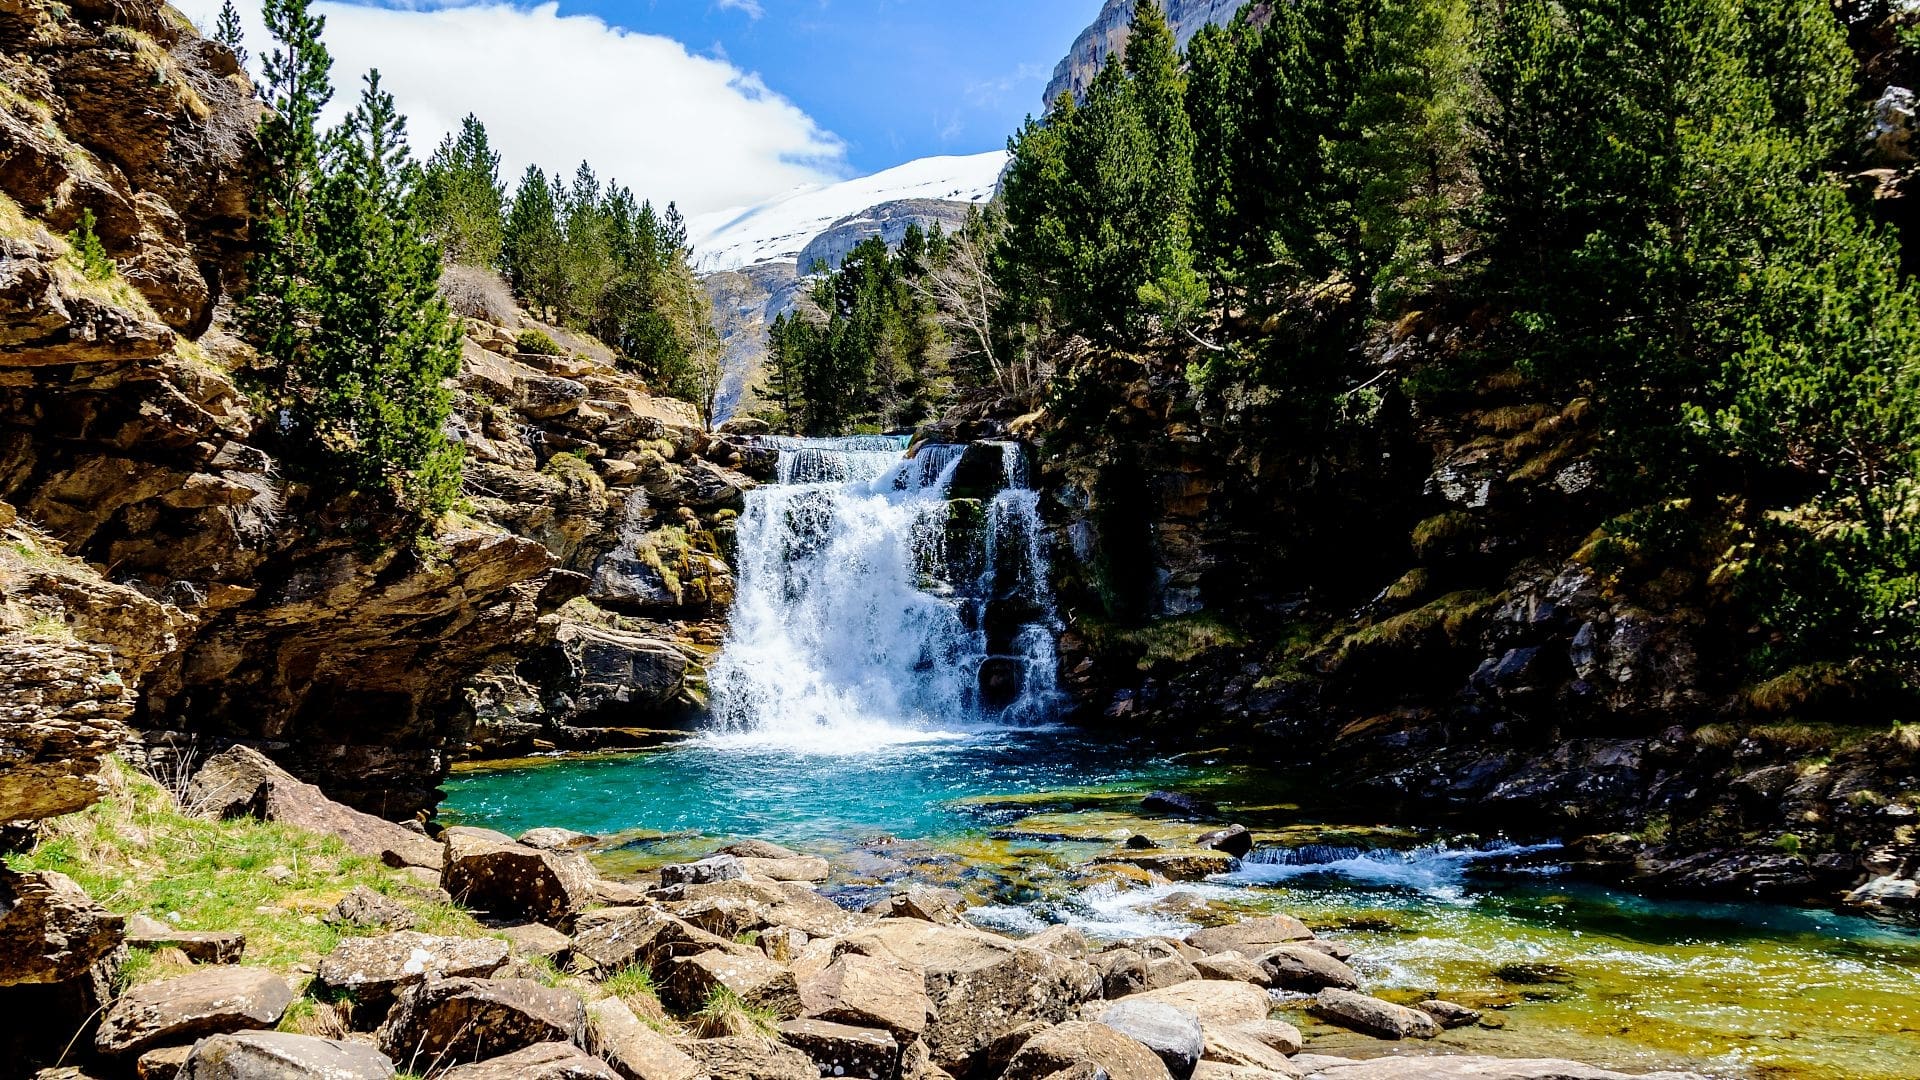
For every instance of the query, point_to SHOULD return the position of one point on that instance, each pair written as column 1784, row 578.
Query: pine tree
column 285, row 258
column 532, row 242
column 372, row 397
column 463, row 199
column 227, row 31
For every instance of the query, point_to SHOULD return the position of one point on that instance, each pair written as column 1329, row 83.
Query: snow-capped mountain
column 780, row 229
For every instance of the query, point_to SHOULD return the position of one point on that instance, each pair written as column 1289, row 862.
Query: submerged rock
column 1371, row 1016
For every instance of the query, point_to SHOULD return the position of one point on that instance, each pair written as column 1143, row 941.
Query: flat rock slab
column 617, row 938
column 535, row 939
column 1214, row 1001
column 243, row 781
column 748, row 1058
column 1251, row 937
column 1277, row 1034
column 546, row 1061
column 1372, row 1016
column 51, row 931
column 793, row 868
column 276, row 1055
column 636, row 1051
column 201, row 946
column 843, row 1050
column 1172, row 1033
column 1235, row 1046
column 207, row 1002
column 1220, row 1070
column 1077, row 1044
column 376, row 968
column 1446, row 1067
column 466, row 1020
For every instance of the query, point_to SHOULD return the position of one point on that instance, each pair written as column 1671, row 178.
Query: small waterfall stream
column 874, row 607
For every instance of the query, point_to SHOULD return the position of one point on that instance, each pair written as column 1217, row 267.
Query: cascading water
column 873, row 607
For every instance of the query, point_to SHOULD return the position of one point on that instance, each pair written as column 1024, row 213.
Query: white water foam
column 1435, row 869
column 847, row 631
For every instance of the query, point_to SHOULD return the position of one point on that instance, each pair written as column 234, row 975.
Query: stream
column 882, row 701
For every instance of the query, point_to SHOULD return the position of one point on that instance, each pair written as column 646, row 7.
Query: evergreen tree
column 532, row 243
column 297, row 87
column 227, row 31
column 372, row 396
column 1157, row 89
column 463, row 198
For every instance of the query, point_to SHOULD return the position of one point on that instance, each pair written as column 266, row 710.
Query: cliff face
column 161, row 568
column 1108, row 37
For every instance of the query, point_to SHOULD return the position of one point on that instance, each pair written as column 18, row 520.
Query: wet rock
column 749, row 1058
column 466, row 1020
column 1077, row 1044
column 1251, row 937
column 51, row 931
column 216, row 1000
column 546, row 1061
column 1338, row 950
column 376, row 968
column 1449, row 1014
column 869, row 991
column 1170, row 1032
column 705, row 872
column 512, row 879
column 1371, row 1016
column 1181, row 805
column 932, row 905
column 844, row 1050
column 981, row 986
column 622, row 937
column 1291, row 967
column 276, row 1055
column 241, row 781
column 1235, row 840
column 757, row 981
column 1174, row 865
column 364, row 907
column 634, row 1050
column 1221, row 1003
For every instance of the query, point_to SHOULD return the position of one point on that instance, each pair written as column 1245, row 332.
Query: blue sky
column 895, row 79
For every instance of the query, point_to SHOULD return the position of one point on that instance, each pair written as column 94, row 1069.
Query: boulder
column 1174, row 865
column 1291, row 967
column 217, row 1000
column 1372, row 1016
column 1170, row 1032
column 377, row 968
column 932, row 905
column 869, row 991
column 1233, row 1046
column 705, row 872
column 551, row 839
column 1061, row 941
column 750, row 1058
column 1077, row 1044
column 1180, row 805
column 364, row 907
column 513, row 879
column 545, row 1061
column 163, row 1063
column 634, row 1050
column 1465, row 1067
column 277, row 1055
column 1234, row 840
column 1214, row 1002
column 1337, row 949
column 1232, row 967
column 458, row 1020
column 535, row 939
column 757, row 849
column 51, row 931
column 1220, row 1070
column 543, row 397
column 618, row 938
column 241, row 781
column 1165, row 965
column 844, row 1050
column 794, row 868
column 1277, row 1034
column 1251, row 937
column 981, row 986
column 1122, row 972
column 723, row 916
column 1447, row 1013
column 751, row 976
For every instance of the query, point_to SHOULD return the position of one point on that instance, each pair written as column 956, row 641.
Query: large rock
column 636, row 1051
column 466, row 1020
column 1251, row 937
column 1372, row 1016
column 510, row 879
column 1214, row 1001
column 51, row 931
column 276, row 1055
column 614, row 677
column 844, row 1050
column 618, row 938
column 243, row 781
column 924, row 903
column 216, row 1000
column 1276, row 1034
column 1292, row 967
column 376, row 968
column 1079, row 1044
column 1235, row 1046
column 793, row 868
column 1449, row 1067
column 714, row 868
column 1172, row 1033
column 751, row 1058
column 1175, row 865
column 869, row 991
column 63, row 707
column 1233, row 967
column 546, row 1061
column 981, row 986
column 755, row 980
column 201, row 946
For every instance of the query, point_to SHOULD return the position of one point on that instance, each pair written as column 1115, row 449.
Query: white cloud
column 555, row 89
column 750, row 8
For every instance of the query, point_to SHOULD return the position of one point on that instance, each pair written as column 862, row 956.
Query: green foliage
column 86, row 250
column 537, row 342
column 462, row 198
column 227, row 31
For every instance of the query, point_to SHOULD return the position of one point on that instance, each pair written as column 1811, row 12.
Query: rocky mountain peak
column 1108, row 36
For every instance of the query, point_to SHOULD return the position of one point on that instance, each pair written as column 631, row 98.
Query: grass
column 725, row 1014
column 1178, row 640
column 136, row 852
column 635, row 987
column 1448, row 617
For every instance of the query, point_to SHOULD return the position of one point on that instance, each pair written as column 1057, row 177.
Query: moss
column 1411, row 586
column 1447, row 619
column 1432, row 536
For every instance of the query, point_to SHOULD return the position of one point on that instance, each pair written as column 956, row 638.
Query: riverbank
column 524, row 960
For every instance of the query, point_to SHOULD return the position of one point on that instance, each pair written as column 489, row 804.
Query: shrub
column 88, row 253
column 537, row 342
column 477, row 293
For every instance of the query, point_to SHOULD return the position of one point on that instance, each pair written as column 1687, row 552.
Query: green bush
column 537, row 342
column 88, row 253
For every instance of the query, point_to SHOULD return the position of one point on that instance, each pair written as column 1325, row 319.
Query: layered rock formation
column 1107, row 37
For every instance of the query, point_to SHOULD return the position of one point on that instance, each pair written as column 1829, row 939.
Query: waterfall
column 873, row 607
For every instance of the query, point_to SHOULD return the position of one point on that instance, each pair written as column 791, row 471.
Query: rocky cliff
column 1108, row 37
column 162, row 569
